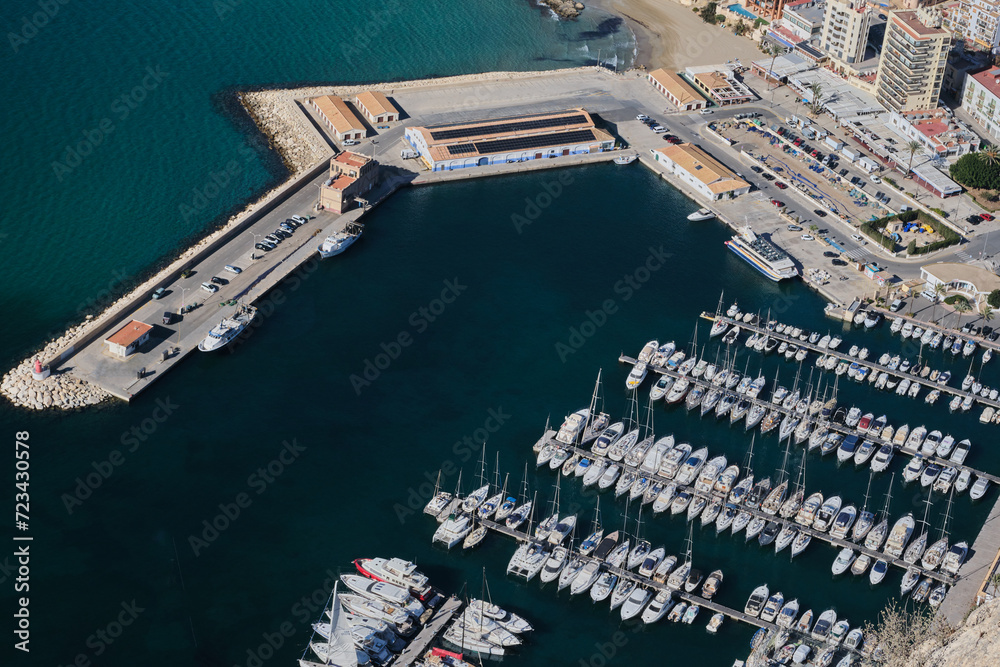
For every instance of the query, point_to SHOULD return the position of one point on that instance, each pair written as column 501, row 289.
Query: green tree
column 816, row 105
column 961, row 307
column 707, row 12
column 813, row 228
column 990, row 154
column 911, row 247
column 912, row 147
column 774, row 51
column 987, row 312
column 994, row 298
column 939, row 291
column 975, row 171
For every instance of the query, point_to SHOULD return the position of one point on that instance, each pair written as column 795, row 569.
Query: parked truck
column 408, row 154
column 868, row 164
column 834, row 143
column 849, row 154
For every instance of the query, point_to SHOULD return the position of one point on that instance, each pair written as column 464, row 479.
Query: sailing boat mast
column 593, row 406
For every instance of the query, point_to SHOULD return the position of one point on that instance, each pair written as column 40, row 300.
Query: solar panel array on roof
column 508, row 126
column 536, row 141
column 461, row 149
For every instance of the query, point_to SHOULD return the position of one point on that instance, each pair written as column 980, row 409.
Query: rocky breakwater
column 567, row 9
column 58, row 391
column 278, row 116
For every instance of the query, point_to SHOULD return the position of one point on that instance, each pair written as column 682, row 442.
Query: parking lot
column 815, row 187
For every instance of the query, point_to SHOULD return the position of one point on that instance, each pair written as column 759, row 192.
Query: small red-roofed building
column 127, row 340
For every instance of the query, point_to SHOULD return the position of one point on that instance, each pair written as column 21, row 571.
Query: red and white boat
column 397, row 572
column 866, row 421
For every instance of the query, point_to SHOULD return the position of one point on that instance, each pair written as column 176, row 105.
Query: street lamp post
column 253, row 255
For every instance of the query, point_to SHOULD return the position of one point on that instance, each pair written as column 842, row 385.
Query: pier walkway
column 872, row 365
column 982, row 555
column 826, row 537
column 828, row 424
column 416, row 648
column 655, row 586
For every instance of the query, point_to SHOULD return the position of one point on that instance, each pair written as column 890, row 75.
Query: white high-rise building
column 978, row 21
column 845, row 30
column 914, row 56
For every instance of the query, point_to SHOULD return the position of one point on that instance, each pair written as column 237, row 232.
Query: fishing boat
column 226, row 331
column 629, row 159
column 340, row 241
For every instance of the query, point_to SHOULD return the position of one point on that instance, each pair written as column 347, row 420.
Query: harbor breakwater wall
column 60, row 390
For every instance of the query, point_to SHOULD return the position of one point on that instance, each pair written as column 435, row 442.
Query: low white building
column 970, row 281
column 701, row 171
column 981, row 99
column 937, row 130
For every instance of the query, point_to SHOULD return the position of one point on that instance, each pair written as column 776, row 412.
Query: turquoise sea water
column 324, row 469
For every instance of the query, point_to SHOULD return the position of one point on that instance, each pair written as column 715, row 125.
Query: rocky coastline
column 566, row 9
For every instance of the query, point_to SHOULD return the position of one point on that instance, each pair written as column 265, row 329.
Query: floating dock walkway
column 841, row 428
column 419, row 645
column 872, row 365
column 826, row 537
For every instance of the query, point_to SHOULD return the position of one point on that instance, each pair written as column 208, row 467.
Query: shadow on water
column 605, row 28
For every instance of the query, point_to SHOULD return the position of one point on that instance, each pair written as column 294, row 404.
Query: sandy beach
column 672, row 36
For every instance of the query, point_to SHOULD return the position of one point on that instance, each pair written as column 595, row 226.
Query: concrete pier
column 980, row 564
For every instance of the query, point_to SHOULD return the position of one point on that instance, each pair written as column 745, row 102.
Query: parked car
column 219, row 281
column 858, row 238
column 168, row 317
column 807, row 237
column 705, row 112
column 974, row 219
column 351, row 142
column 777, row 203
column 263, row 246
column 287, row 227
column 209, row 287
column 234, row 269
column 299, row 219
column 755, row 169
column 843, row 173
column 273, row 239
column 767, row 176
column 985, row 216
column 797, row 142
column 780, row 185
column 794, row 228
column 874, row 178
column 159, row 293
column 838, row 262
column 830, row 253
column 820, row 212
column 896, row 305
column 642, row 116
column 187, row 273
column 659, row 129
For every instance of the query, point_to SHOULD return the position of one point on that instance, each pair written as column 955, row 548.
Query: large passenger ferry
column 763, row 255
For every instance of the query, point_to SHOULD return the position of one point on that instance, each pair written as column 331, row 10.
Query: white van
column 659, row 129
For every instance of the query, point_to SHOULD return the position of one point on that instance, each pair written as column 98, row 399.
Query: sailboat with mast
column 339, row 649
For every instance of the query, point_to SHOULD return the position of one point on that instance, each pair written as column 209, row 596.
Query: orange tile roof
column 376, row 103
column 338, row 113
column 677, row 86
column 129, row 333
column 341, row 182
column 352, row 159
column 703, row 166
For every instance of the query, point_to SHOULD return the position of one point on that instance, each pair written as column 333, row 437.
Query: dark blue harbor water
column 200, row 525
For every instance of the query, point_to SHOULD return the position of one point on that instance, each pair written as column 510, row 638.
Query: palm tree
column 987, row 313
column 813, row 228
column 939, row 291
column 774, row 51
column 961, row 307
column 816, row 90
column 912, row 146
column 990, row 154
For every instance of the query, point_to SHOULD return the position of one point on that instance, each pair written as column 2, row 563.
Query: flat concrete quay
column 982, row 556
column 616, row 98
column 419, row 645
